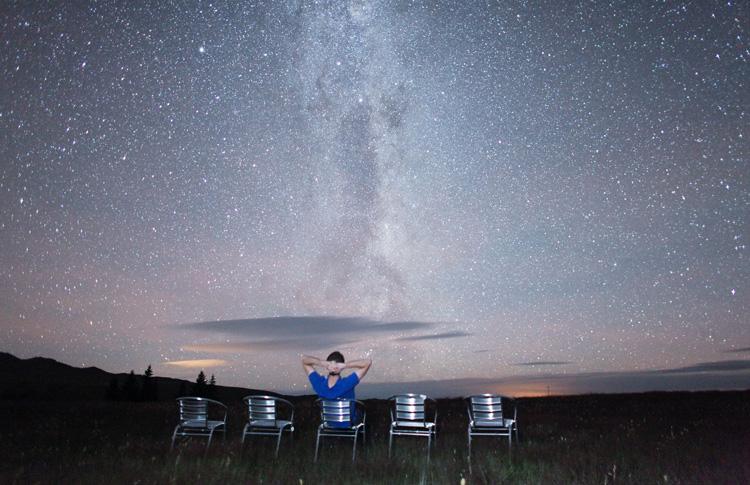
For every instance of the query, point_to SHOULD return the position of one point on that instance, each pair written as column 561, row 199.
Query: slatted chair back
column 486, row 409
column 409, row 408
column 193, row 409
column 261, row 408
column 336, row 412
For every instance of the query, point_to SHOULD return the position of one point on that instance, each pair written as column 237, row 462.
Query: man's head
column 335, row 357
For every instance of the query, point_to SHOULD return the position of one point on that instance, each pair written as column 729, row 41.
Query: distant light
column 201, row 49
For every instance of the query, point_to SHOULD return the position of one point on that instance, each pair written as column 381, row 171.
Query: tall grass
column 654, row 438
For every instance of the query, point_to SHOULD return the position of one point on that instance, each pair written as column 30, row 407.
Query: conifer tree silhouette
column 211, row 391
column 199, row 389
column 149, row 392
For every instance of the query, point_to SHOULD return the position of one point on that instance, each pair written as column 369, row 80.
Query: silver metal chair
column 264, row 417
column 487, row 417
column 341, row 418
column 194, row 419
column 409, row 417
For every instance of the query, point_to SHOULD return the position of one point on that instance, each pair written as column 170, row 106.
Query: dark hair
column 336, row 357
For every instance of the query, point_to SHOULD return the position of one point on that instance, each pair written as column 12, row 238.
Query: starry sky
column 504, row 196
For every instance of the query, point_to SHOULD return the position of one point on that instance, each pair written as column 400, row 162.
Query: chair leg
column 429, row 445
column 174, row 436
column 317, row 444
column 278, row 443
column 468, row 457
column 390, row 443
column 210, row 437
column 354, row 447
column 469, row 451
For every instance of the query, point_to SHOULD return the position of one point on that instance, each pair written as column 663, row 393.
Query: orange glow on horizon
column 529, row 389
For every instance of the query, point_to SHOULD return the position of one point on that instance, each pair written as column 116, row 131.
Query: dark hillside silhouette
column 47, row 379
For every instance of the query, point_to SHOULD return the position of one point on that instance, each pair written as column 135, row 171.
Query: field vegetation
column 602, row 439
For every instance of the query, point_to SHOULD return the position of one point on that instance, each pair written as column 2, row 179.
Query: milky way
column 505, row 195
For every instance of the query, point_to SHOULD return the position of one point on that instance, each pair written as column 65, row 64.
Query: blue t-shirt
column 343, row 389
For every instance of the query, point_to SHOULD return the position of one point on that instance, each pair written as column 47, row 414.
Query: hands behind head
column 335, row 367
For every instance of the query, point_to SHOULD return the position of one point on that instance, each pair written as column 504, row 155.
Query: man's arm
column 308, row 363
column 360, row 367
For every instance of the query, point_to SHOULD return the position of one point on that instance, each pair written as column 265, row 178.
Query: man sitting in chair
column 333, row 386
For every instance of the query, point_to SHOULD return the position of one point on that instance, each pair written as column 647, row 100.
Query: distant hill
column 48, row 379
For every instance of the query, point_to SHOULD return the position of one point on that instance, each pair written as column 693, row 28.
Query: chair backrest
column 409, row 407
column 197, row 408
column 193, row 408
column 487, row 408
column 336, row 411
column 261, row 407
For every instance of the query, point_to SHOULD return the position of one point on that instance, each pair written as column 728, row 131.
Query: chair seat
column 270, row 423
column 201, row 424
column 341, row 426
column 412, row 425
column 495, row 423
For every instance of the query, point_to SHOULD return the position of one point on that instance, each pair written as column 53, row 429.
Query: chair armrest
column 361, row 406
column 435, row 414
column 218, row 403
column 289, row 406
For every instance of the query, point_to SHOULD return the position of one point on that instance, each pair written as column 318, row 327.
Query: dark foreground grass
column 650, row 438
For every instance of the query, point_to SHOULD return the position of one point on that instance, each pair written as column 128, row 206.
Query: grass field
column 646, row 438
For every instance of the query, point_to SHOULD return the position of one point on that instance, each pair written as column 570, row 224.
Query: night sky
column 525, row 197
